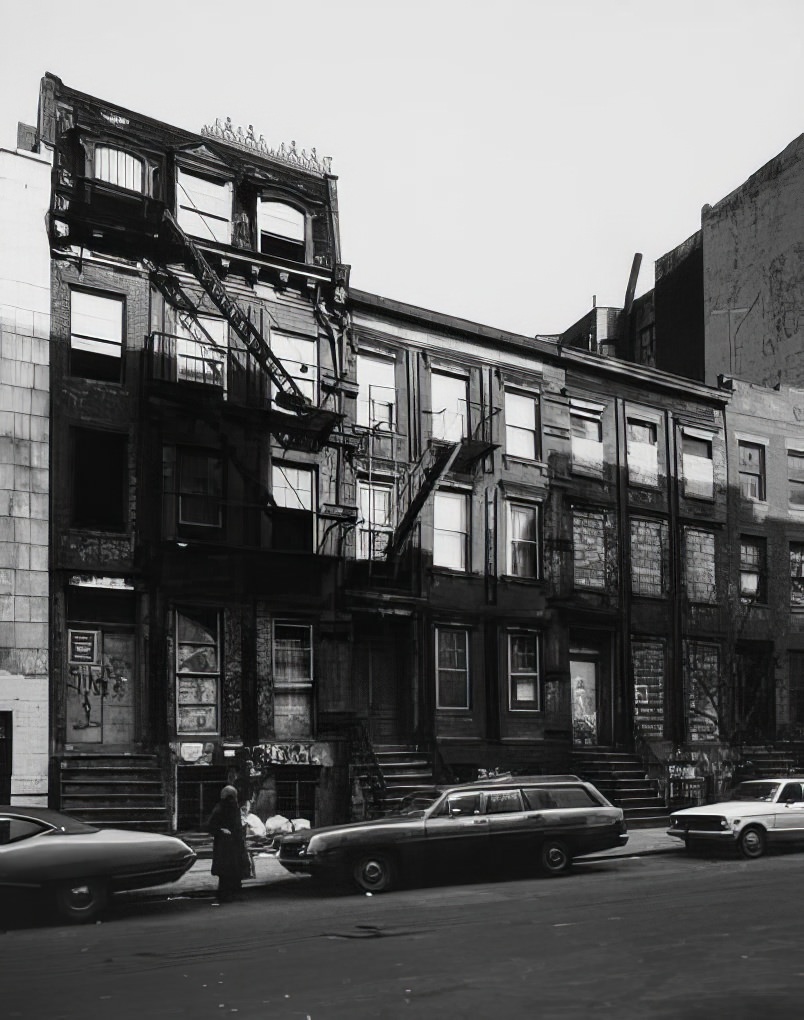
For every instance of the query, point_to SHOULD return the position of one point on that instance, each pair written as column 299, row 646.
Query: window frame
column 182, row 453
column 284, row 245
column 641, row 475
column 441, row 494
column 514, row 430
column 760, row 596
column 511, row 506
column 743, row 445
column 715, row 587
column 364, row 417
column 795, row 485
column 450, row 628
column 85, row 434
column 581, row 461
column 183, row 209
column 441, row 430
column 696, row 488
column 662, row 528
column 285, row 684
column 298, row 370
column 796, row 561
column 128, row 157
column 85, row 348
column 516, row 704
column 367, row 528
column 578, row 512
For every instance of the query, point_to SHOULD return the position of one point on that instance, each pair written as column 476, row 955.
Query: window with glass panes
column 797, row 575
column 523, row 671
column 299, row 356
column 523, row 540
column 753, row 570
column 642, row 452
column 293, row 653
column 282, row 229
column 201, row 349
column 200, row 488
column 449, row 406
column 586, row 438
column 198, row 670
column 697, row 466
column 375, row 526
column 119, row 168
column 376, row 399
column 204, row 206
column 293, row 490
column 96, row 335
column 521, row 425
column 752, row 471
column 795, row 476
column 451, row 530
column 452, row 667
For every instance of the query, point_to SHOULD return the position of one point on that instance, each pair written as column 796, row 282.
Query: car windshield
column 756, row 791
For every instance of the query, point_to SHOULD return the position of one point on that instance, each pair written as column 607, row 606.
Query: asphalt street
column 664, row 936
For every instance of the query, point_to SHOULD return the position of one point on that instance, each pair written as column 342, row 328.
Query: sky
column 499, row 161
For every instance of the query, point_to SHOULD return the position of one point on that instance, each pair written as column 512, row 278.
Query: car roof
column 68, row 824
column 514, row 782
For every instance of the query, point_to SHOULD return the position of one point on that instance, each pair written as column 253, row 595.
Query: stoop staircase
column 121, row 791
column 403, row 768
column 621, row 778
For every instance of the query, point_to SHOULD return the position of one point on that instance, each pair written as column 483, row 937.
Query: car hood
column 375, row 824
column 732, row 807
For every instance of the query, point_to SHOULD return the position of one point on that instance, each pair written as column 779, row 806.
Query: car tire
column 752, row 842
column 81, row 901
column 554, row 858
column 374, row 872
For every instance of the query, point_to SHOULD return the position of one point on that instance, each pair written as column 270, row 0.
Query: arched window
column 282, row 230
column 117, row 167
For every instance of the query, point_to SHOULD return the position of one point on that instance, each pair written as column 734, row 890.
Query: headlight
column 724, row 823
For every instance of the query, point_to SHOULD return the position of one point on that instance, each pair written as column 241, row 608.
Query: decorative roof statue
column 226, row 132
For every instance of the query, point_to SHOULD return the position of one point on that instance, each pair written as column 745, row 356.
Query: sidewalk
column 199, row 882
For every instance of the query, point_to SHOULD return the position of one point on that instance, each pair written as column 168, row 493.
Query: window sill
column 516, row 579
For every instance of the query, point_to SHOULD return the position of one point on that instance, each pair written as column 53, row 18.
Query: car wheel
column 374, row 872
column 554, row 858
column 82, row 900
column 751, row 842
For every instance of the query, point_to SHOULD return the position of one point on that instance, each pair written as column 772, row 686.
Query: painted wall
column 24, row 464
column 754, row 275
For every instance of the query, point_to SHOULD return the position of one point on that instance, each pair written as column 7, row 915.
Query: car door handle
column 480, row 821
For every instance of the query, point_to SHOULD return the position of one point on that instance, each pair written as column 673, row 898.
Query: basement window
column 99, row 479
column 282, row 230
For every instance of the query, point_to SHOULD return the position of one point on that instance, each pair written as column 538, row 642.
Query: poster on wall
column 84, row 646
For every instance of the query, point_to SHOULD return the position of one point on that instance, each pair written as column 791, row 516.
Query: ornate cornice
column 246, row 140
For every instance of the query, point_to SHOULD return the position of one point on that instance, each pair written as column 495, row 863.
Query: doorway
column 590, row 692
column 382, row 657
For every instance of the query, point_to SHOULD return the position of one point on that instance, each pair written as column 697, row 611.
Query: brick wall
column 589, row 548
column 699, row 565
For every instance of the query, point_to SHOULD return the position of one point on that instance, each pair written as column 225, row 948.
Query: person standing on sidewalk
column 229, row 854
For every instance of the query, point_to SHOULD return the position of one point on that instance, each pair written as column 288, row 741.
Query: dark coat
column 229, row 855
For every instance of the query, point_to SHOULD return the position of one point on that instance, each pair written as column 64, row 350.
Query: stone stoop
column 404, row 769
column 120, row 791
column 621, row 778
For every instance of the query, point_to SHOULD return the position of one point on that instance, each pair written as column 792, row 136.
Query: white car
column 760, row 813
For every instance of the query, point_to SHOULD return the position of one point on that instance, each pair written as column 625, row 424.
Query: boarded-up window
column 589, row 549
column 649, row 557
column 701, row 680
column 586, row 434
column 699, row 563
column 797, row 575
column 647, row 663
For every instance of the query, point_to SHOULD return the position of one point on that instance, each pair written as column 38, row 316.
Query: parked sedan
column 760, row 813
column 80, row 864
column 539, row 821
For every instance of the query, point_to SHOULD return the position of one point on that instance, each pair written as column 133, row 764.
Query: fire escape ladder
column 288, row 394
column 171, row 289
column 424, row 477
